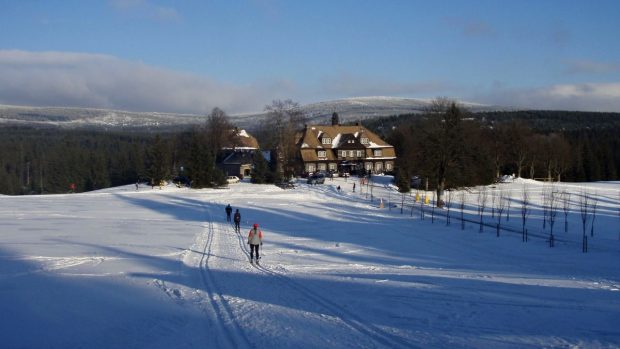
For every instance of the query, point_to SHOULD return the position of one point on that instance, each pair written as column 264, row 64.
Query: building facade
column 344, row 149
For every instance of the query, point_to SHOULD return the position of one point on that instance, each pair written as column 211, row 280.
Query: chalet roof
column 312, row 135
column 310, row 142
column 242, row 139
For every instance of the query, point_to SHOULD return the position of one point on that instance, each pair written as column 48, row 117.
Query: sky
column 192, row 56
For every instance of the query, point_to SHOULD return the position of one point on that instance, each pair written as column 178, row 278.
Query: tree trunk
column 440, row 189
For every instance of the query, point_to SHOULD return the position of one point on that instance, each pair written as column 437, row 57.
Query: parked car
column 317, row 178
column 232, row 179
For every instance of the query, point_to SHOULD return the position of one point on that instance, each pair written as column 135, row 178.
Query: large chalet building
column 338, row 148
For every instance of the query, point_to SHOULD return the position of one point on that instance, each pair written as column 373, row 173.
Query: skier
column 255, row 239
column 237, row 219
column 354, row 187
column 228, row 212
column 338, row 189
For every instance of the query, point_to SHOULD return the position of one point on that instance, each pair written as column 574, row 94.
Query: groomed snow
column 121, row 268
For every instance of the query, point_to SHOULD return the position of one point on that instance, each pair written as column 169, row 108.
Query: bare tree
column 545, row 205
column 566, row 208
column 518, row 144
column 462, row 207
column 584, row 206
column 433, row 209
column 508, row 199
column 493, row 202
column 443, row 141
column 561, row 156
column 218, row 131
column 501, row 205
column 448, row 205
column 482, row 201
column 422, row 206
column 525, row 210
column 593, row 210
column 552, row 212
column 285, row 119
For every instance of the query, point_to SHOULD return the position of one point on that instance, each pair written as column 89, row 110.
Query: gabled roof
column 241, row 139
column 311, row 136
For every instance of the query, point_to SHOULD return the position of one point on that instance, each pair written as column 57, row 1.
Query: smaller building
column 237, row 157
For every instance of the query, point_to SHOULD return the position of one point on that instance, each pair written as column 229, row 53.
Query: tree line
column 51, row 160
column 452, row 147
column 447, row 147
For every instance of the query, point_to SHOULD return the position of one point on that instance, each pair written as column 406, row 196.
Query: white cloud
column 586, row 66
column 103, row 81
column 582, row 97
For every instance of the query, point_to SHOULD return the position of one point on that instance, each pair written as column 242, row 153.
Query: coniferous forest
column 567, row 146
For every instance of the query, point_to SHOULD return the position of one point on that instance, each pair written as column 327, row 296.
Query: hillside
column 350, row 109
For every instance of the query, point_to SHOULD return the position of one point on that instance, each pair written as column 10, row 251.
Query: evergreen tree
column 158, row 169
column 261, row 168
column 403, row 181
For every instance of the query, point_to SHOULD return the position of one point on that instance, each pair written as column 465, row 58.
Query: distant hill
column 349, row 109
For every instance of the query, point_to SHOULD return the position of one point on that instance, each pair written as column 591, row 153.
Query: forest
column 475, row 149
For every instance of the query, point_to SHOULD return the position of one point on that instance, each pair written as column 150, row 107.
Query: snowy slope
column 120, row 268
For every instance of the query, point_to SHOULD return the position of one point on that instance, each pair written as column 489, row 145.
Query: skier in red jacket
column 255, row 239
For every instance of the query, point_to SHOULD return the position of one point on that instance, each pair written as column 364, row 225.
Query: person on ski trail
column 228, row 212
column 237, row 220
column 255, row 239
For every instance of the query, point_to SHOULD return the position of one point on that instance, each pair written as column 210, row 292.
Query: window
column 342, row 153
column 322, row 167
column 326, row 140
column 378, row 166
column 351, row 153
column 310, row 168
column 332, row 166
column 388, row 166
column 364, row 140
column 322, row 153
column 377, row 152
column 368, row 166
column 360, row 153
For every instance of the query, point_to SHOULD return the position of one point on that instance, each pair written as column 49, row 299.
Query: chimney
column 335, row 119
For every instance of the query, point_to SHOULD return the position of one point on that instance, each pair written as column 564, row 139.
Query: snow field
column 163, row 268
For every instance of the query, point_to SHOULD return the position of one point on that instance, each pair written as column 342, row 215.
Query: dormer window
column 326, row 140
column 322, row 153
column 364, row 140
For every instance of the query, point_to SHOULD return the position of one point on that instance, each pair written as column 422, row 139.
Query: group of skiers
column 255, row 236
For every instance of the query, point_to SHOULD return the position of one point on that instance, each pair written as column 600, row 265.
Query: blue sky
column 190, row 56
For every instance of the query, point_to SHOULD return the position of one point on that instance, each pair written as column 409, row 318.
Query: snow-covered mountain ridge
column 349, row 109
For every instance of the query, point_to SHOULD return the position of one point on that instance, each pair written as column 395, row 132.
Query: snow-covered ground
column 121, row 268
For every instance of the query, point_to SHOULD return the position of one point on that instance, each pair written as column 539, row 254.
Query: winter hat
column 255, row 225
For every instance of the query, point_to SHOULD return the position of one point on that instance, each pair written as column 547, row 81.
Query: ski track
column 226, row 320
column 373, row 333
